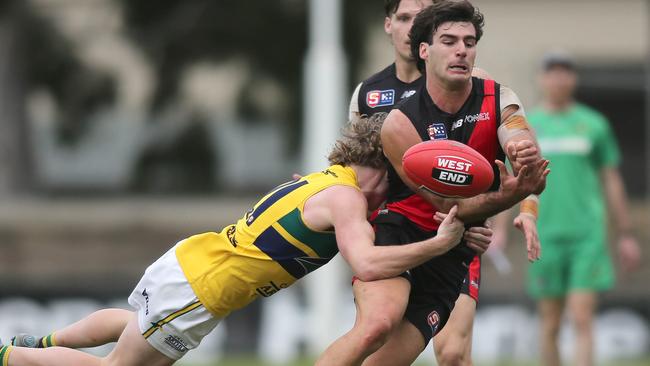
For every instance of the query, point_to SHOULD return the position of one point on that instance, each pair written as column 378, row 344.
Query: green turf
column 249, row 361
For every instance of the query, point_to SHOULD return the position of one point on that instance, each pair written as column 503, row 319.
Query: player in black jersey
column 382, row 91
column 466, row 103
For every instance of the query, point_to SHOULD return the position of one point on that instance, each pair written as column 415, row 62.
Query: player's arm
column 355, row 238
column 628, row 248
column 519, row 142
column 398, row 134
column 516, row 136
column 353, row 111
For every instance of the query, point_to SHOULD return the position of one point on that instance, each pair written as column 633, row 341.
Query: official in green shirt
column 584, row 190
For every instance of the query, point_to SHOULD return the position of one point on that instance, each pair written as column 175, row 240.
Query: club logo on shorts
column 433, row 319
column 380, row 98
column 437, row 131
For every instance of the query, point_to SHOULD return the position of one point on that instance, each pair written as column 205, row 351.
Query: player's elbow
column 366, row 271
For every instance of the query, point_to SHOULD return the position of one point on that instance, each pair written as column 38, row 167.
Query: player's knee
column 550, row 329
column 375, row 332
column 583, row 324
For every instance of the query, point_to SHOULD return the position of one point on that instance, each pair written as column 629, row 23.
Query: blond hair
column 360, row 143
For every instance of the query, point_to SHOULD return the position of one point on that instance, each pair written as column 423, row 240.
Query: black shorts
column 436, row 284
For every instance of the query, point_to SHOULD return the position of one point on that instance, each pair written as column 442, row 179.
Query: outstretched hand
column 531, row 179
column 451, row 228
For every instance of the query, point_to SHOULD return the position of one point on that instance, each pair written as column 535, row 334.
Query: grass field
column 255, row 362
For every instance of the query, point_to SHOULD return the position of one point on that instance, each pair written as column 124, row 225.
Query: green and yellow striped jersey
column 266, row 250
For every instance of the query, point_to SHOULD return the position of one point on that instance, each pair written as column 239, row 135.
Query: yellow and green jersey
column 267, row 250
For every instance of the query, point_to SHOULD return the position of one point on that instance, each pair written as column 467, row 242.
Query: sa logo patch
column 433, row 319
column 380, row 98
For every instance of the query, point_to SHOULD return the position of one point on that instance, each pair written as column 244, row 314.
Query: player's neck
column 406, row 71
column 448, row 98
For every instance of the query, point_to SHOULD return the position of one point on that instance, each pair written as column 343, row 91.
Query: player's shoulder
column 342, row 197
column 387, row 73
column 486, row 86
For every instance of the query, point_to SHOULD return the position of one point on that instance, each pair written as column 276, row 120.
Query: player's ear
column 424, row 50
column 387, row 25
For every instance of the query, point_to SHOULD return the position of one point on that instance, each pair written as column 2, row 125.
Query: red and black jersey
column 475, row 124
column 383, row 91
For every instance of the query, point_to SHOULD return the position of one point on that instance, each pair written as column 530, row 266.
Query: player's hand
column 530, row 180
column 522, row 153
column 528, row 226
column 451, row 228
column 629, row 253
column 478, row 238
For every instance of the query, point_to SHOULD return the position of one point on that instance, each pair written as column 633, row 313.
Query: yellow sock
column 4, row 354
column 47, row 341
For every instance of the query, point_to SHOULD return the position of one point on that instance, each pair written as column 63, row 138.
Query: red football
column 448, row 168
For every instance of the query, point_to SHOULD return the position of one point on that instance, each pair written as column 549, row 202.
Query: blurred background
column 128, row 125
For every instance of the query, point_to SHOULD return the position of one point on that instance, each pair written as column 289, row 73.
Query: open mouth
column 459, row 68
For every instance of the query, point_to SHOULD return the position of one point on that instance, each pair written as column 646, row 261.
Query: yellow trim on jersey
column 285, row 234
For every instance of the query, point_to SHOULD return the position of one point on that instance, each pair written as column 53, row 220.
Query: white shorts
column 170, row 316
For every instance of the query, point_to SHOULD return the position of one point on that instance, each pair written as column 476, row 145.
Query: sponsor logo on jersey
column 437, row 131
column 176, row 343
column 270, row 289
column 380, row 98
column 452, row 170
column 231, row 235
column 407, row 94
column 329, row 172
column 473, row 283
column 471, row 118
column 433, row 319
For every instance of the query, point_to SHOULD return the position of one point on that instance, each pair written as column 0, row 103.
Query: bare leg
column 582, row 306
column 404, row 346
column 131, row 350
column 453, row 345
column 380, row 309
column 550, row 311
column 98, row 328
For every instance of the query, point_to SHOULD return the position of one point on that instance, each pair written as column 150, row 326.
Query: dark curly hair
column 360, row 143
column 429, row 19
